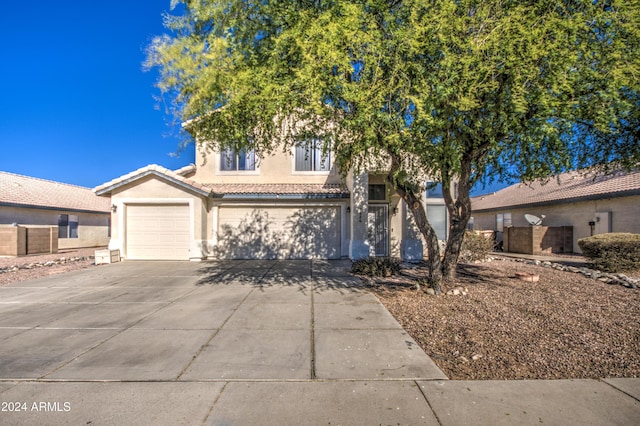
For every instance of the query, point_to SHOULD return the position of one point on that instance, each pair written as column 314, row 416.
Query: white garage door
column 279, row 233
column 157, row 231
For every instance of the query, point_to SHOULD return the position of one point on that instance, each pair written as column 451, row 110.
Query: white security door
column 279, row 233
column 157, row 231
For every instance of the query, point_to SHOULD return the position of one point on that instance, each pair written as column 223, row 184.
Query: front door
column 378, row 229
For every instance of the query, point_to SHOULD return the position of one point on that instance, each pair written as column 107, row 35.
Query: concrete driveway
column 179, row 342
column 249, row 343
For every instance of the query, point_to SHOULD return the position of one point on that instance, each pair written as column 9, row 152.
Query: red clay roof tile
column 277, row 188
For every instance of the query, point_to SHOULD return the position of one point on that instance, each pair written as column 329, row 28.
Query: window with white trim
column 437, row 215
column 237, row 161
column 310, row 158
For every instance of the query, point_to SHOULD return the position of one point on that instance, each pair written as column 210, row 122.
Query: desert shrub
column 476, row 246
column 376, row 266
column 613, row 252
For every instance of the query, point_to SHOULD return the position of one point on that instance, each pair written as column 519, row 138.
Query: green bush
column 476, row 246
column 614, row 252
column 376, row 266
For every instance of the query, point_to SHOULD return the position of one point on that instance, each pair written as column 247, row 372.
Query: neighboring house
column 591, row 205
column 233, row 205
column 83, row 219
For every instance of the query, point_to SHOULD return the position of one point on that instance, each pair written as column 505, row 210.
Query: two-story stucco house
column 234, row 205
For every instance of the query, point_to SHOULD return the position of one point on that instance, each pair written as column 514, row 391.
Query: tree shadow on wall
column 306, row 233
column 253, row 237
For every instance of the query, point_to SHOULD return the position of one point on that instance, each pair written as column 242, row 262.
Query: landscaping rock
column 528, row 277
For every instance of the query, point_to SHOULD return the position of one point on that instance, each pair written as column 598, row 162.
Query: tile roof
column 222, row 189
column 566, row 187
column 152, row 169
column 277, row 188
column 29, row 191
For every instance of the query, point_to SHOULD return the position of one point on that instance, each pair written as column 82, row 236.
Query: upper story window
column 310, row 158
column 234, row 161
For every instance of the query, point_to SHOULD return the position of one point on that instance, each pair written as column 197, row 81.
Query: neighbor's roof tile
column 29, row 191
column 277, row 188
column 565, row 187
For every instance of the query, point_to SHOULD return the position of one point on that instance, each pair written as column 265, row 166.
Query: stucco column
column 359, row 242
column 411, row 243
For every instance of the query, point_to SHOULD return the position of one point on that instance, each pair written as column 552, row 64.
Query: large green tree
column 453, row 90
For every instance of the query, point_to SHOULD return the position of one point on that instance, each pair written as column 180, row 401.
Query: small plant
column 613, row 252
column 476, row 246
column 376, row 266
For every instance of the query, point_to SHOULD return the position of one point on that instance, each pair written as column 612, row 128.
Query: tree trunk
column 459, row 214
column 420, row 217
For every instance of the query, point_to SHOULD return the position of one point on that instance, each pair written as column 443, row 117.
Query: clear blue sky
column 76, row 105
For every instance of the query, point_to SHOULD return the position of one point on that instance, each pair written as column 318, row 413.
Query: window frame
column 374, row 189
column 68, row 226
column 221, row 160
column 503, row 220
column 315, row 150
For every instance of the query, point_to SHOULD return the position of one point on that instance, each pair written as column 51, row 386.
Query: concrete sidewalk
column 248, row 342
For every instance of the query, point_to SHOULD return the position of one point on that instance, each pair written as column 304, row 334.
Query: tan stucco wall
column 92, row 227
column 275, row 168
column 153, row 190
column 624, row 211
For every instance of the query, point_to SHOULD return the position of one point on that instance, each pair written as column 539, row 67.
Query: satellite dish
column 534, row 220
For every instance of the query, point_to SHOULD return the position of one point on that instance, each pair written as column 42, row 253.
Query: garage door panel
column 157, row 232
column 279, row 233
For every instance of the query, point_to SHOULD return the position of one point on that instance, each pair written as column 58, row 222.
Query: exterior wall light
column 114, row 208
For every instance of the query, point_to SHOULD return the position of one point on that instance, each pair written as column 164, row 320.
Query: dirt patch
column 16, row 269
column 563, row 326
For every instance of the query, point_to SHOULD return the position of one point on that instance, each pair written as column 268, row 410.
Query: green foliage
column 613, row 252
column 376, row 266
column 476, row 246
column 456, row 90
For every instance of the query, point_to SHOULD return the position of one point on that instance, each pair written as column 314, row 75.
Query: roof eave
column 41, row 207
column 109, row 189
column 263, row 196
column 559, row 201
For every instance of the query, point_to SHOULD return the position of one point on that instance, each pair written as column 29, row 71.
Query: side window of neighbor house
column 470, row 224
column 67, row 226
column 503, row 220
column 233, row 161
column 310, row 158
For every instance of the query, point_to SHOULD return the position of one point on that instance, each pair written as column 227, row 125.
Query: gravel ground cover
column 16, row 269
column 563, row 326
